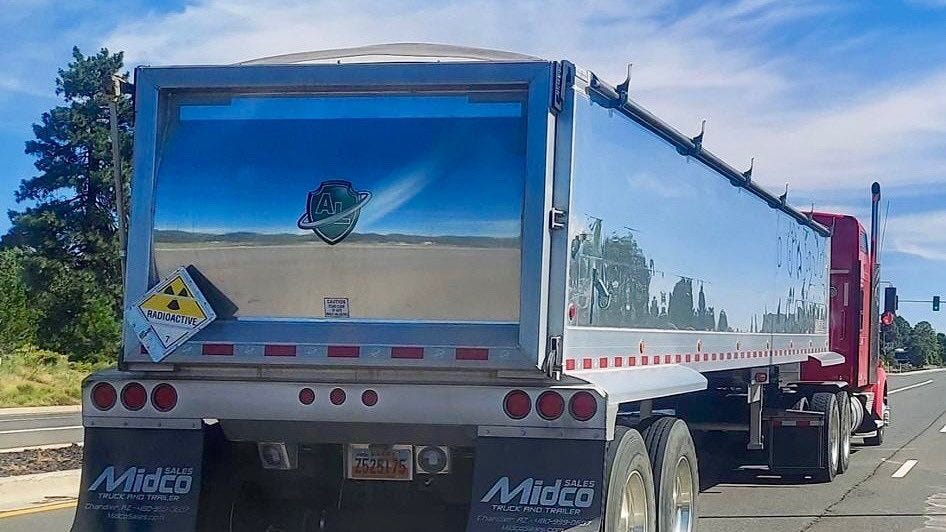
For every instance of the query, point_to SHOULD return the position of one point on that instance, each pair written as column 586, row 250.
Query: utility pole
column 118, row 84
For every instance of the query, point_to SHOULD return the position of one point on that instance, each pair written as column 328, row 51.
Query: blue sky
column 827, row 96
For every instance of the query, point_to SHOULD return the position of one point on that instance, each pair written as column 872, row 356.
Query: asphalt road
column 868, row 497
column 865, row 498
column 24, row 429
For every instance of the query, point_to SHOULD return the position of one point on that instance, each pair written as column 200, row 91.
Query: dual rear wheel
column 652, row 478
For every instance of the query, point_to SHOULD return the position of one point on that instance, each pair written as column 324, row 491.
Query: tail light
column 337, row 396
column 369, row 397
column 307, row 396
column 134, row 396
column 104, row 396
column 164, row 397
column 517, row 404
column 583, row 406
column 550, row 405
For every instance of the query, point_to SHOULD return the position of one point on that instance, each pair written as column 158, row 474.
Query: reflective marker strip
column 472, row 353
column 279, row 350
column 407, row 352
column 803, row 423
column 904, row 469
column 343, row 351
column 217, row 349
column 617, row 362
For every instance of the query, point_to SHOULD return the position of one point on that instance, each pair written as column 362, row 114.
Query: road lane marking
column 910, row 387
column 36, row 509
column 41, row 429
column 943, row 429
column 42, row 418
column 904, row 469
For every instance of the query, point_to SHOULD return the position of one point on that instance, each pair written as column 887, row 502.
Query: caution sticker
column 169, row 314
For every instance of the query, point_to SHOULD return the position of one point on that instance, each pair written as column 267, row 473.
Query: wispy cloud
column 921, row 234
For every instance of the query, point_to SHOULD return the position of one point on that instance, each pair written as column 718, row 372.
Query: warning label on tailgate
column 169, row 314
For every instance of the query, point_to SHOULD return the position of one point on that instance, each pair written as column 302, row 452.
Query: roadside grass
column 30, row 376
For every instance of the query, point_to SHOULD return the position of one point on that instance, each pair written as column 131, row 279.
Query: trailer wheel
column 845, row 429
column 676, row 475
column 629, row 496
column 827, row 403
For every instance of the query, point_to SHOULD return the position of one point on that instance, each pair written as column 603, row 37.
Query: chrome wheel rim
column 634, row 504
column 833, row 444
column 683, row 496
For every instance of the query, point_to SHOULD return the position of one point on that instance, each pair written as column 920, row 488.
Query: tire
column 676, row 473
column 845, row 429
column 630, row 499
column 828, row 404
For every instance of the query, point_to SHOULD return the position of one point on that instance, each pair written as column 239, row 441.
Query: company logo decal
column 139, row 480
column 332, row 210
column 563, row 493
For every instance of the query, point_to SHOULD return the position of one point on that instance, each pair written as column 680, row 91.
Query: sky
column 826, row 96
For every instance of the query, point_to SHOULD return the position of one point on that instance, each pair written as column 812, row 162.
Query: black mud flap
column 537, row 485
column 139, row 480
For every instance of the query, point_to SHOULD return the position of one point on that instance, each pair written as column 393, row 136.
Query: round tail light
column 134, row 396
column 307, row 396
column 164, row 397
column 337, row 396
column 369, row 397
column 583, row 406
column 550, row 405
column 104, row 396
column 517, row 404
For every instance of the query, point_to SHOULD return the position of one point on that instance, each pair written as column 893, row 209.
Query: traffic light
column 890, row 299
column 935, row 303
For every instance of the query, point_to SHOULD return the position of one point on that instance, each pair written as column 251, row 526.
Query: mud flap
column 139, row 480
column 537, row 485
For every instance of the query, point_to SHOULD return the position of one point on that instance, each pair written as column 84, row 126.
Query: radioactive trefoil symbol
column 332, row 210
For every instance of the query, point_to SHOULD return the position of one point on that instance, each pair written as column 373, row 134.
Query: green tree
column 68, row 229
column 924, row 347
column 901, row 333
column 17, row 316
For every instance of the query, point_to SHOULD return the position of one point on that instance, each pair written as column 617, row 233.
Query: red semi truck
column 427, row 288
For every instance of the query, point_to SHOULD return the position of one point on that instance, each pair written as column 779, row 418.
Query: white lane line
column 43, row 418
column 41, row 429
column 910, row 387
column 943, row 429
column 904, row 469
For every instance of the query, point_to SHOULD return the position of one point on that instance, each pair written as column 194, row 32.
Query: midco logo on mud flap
column 138, row 480
column 332, row 210
column 563, row 493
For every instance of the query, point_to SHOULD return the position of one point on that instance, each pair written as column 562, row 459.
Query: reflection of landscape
column 611, row 278
column 383, row 276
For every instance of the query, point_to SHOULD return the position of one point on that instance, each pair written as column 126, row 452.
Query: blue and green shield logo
column 332, row 210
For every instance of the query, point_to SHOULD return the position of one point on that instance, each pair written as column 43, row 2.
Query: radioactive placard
column 169, row 314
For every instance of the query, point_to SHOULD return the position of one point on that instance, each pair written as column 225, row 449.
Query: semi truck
column 425, row 287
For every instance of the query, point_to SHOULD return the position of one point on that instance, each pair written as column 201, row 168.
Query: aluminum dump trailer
column 438, row 288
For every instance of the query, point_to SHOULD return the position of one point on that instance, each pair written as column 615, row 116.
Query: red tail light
column 307, row 396
column 550, row 405
column 369, row 397
column 337, row 396
column 134, row 396
column 104, row 396
column 583, row 406
column 517, row 404
column 164, row 397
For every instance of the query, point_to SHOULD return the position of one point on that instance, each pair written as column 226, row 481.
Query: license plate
column 380, row 462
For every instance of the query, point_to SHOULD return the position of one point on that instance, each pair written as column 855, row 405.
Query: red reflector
column 217, row 349
column 343, row 351
column 472, row 353
column 307, row 396
column 369, row 397
column 803, row 423
column 572, row 312
column 164, row 397
column 517, row 404
column 134, row 396
column 104, row 396
column 583, row 406
column 407, row 352
column 550, row 405
column 337, row 396
column 275, row 350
